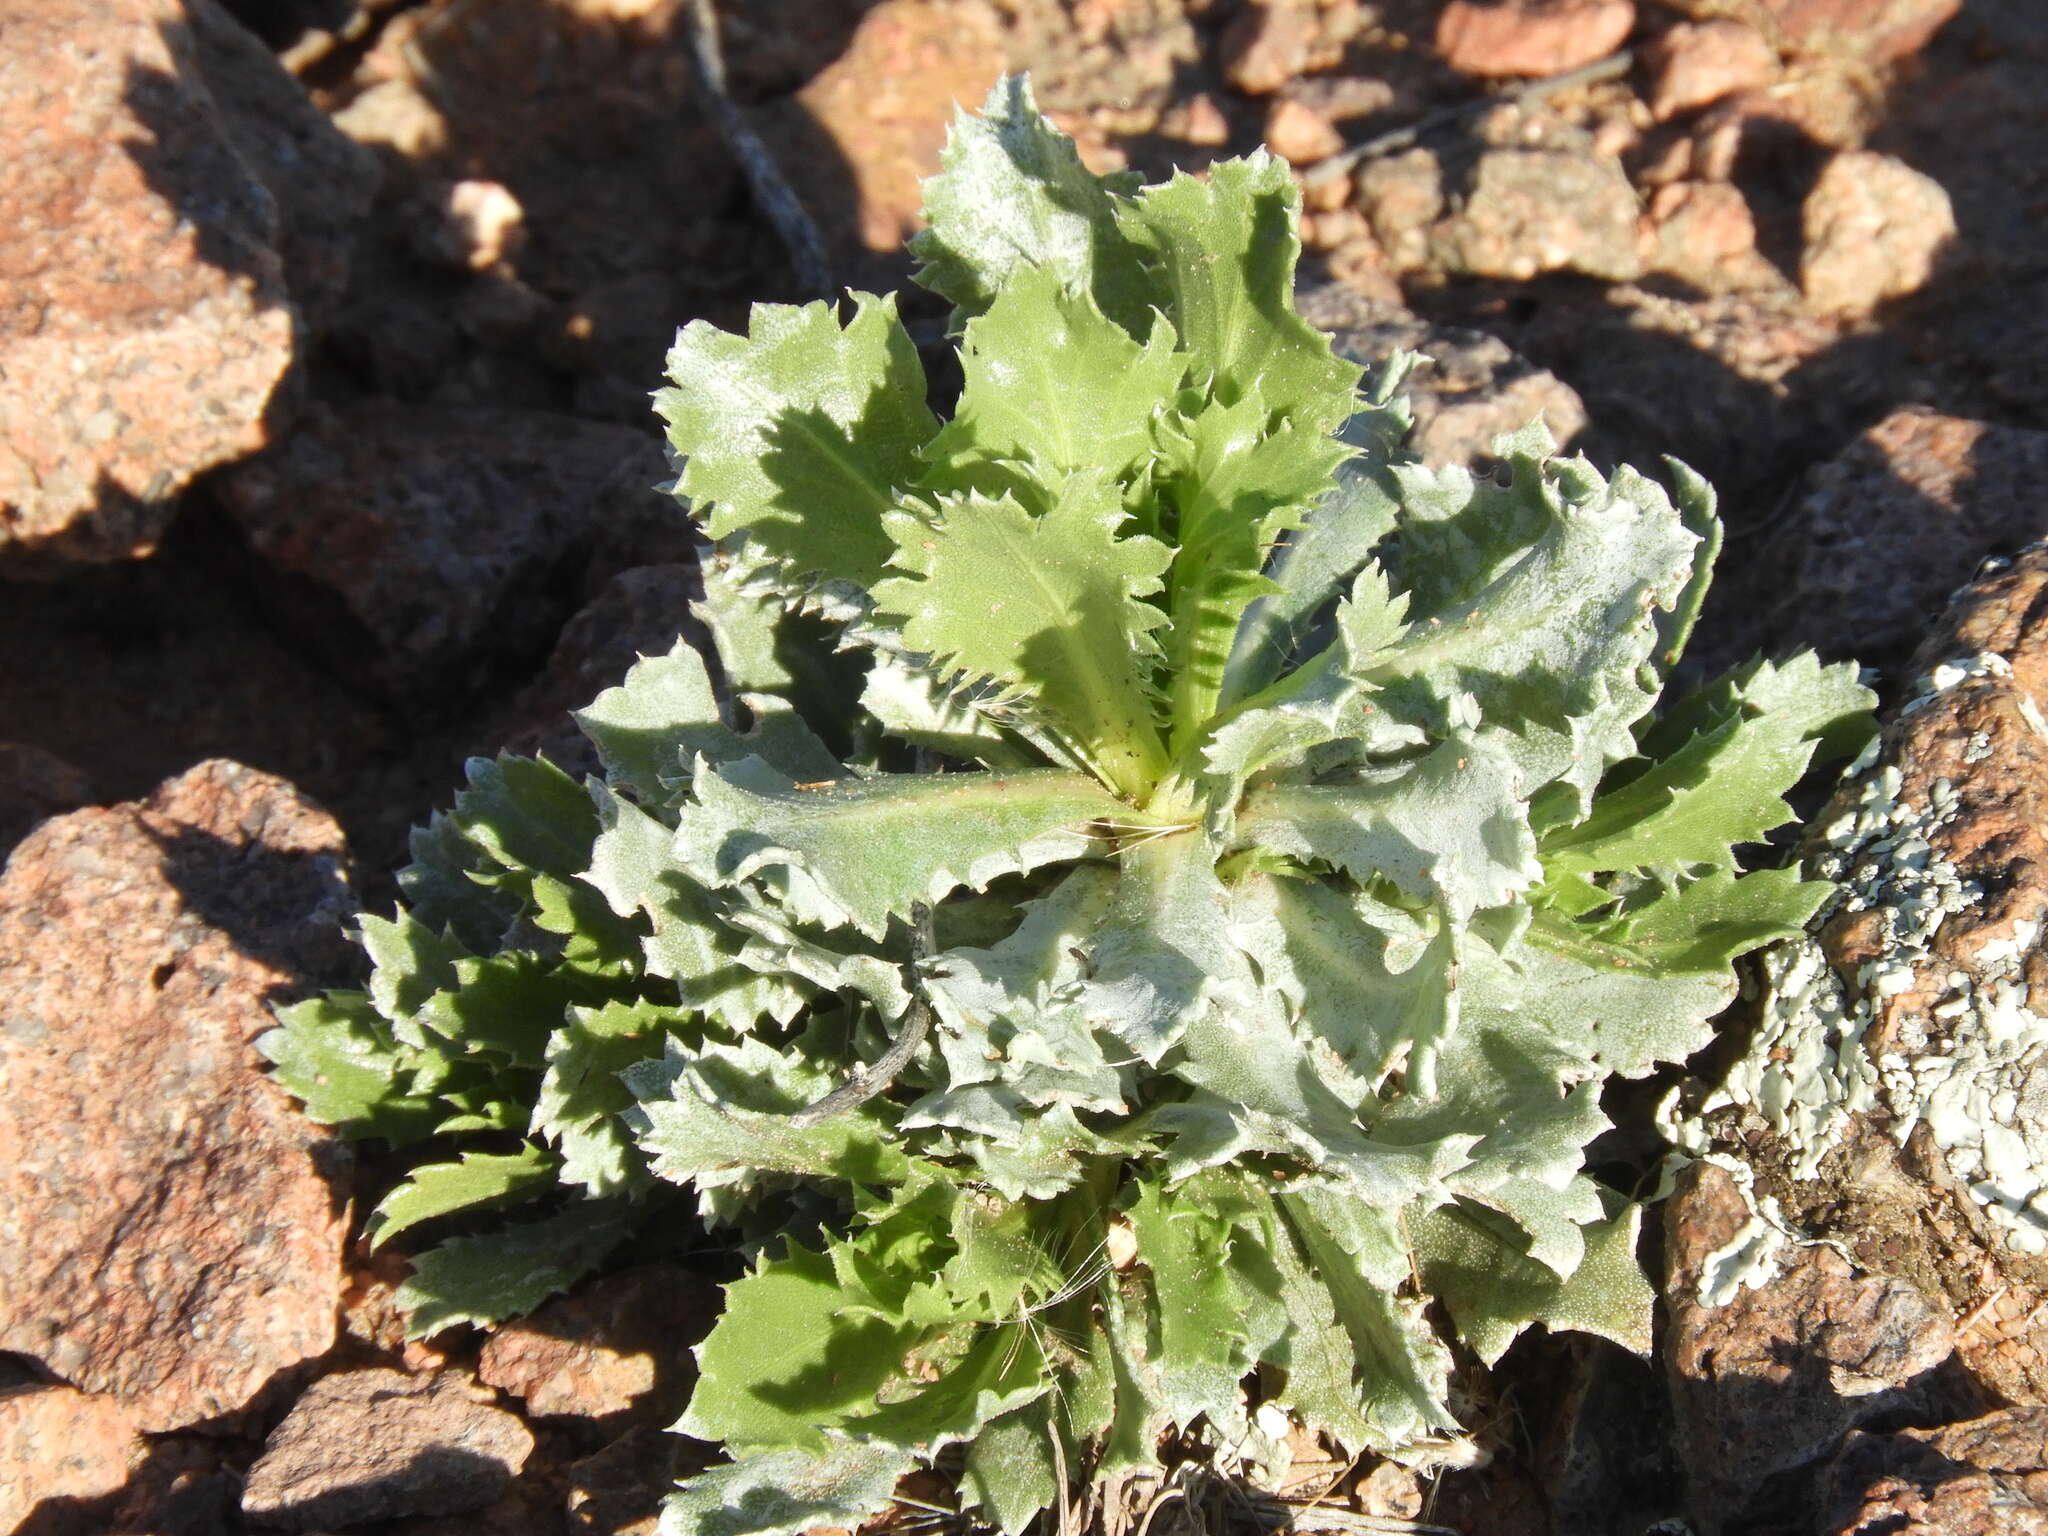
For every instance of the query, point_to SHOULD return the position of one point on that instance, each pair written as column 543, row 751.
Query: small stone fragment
column 1531, row 211
column 1984, row 1477
column 1530, row 37
column 58, row 1443
column 377, row 1445
column 433, row 538
column 1697, row 63
column 145, row 325
column 1874, row 228
column 618, row 1350
column 1403, row 196
column 1389, row 1492
column 1267, row 44
column 1199, row 120
column 1300, row 134
column 469, row 225
column 1702, row 231
column 170, row 1234
column 1770, row 1381
column 1875, row 31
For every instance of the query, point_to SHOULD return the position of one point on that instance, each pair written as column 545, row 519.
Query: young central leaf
column 1050, row 606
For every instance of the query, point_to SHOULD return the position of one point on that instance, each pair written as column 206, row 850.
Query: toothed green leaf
column 1013, row 196
column 439, row 1189
column 485, row 1279
column 879, row 846
column 1402, row 1371
column 785, row 1493
column 1011, row 1473
column 1055, row 385
column 338, row 1057
column 1187, row 1248
column 689, row 941
column 1238, row 479
column 715, row 1114
column 1450, row 827
column 1539, row 601
column 1225, row 250
column 1494, row 1291
column 802, row 432
column 1048, row 606
column 783, row 1365
column 650, row 727
column 1725, row 785
column 1697, row 929
column 582, row 1100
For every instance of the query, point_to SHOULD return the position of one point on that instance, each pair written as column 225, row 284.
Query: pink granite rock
column 1531, row 37
column 618, row 1349
column 170, row 1227
column 1874, row 230
column 373, row 1445
column 145, row 326
column 425, row 544
column 58, row 1443
column 1697, row 63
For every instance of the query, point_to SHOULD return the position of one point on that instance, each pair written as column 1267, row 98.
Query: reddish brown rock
column 145, row 326
column 884, row 107
column 1697, row 63
column 619, row 1491
column 57, row 1443
column 1267, row 44
column 1894, row 523
column 1300, row 134
column 618, row 1350
column 1875, row 31
column 1985, row 1477
column 419, row 547
column 376, row 1445
column 1702, row 231
column 1531, row 211
column 1874, row 229
column 322, row 180
column 1769, row 1382
column 1530, row 37
column 639, row 613
column 170, row 1232
column 1470, row 387
column 34, row 786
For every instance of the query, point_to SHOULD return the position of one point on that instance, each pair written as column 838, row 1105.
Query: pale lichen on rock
column 1877, row 1014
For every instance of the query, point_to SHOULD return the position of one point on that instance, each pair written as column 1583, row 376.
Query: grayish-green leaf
column 785, row 1493
column 879, row 846
column 486, row 1279
column 1013, row 195
column 1494, row 1291
column 1450, row 827
column 795, row 417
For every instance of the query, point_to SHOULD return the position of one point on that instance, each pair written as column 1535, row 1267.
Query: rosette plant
column 1154, row 968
